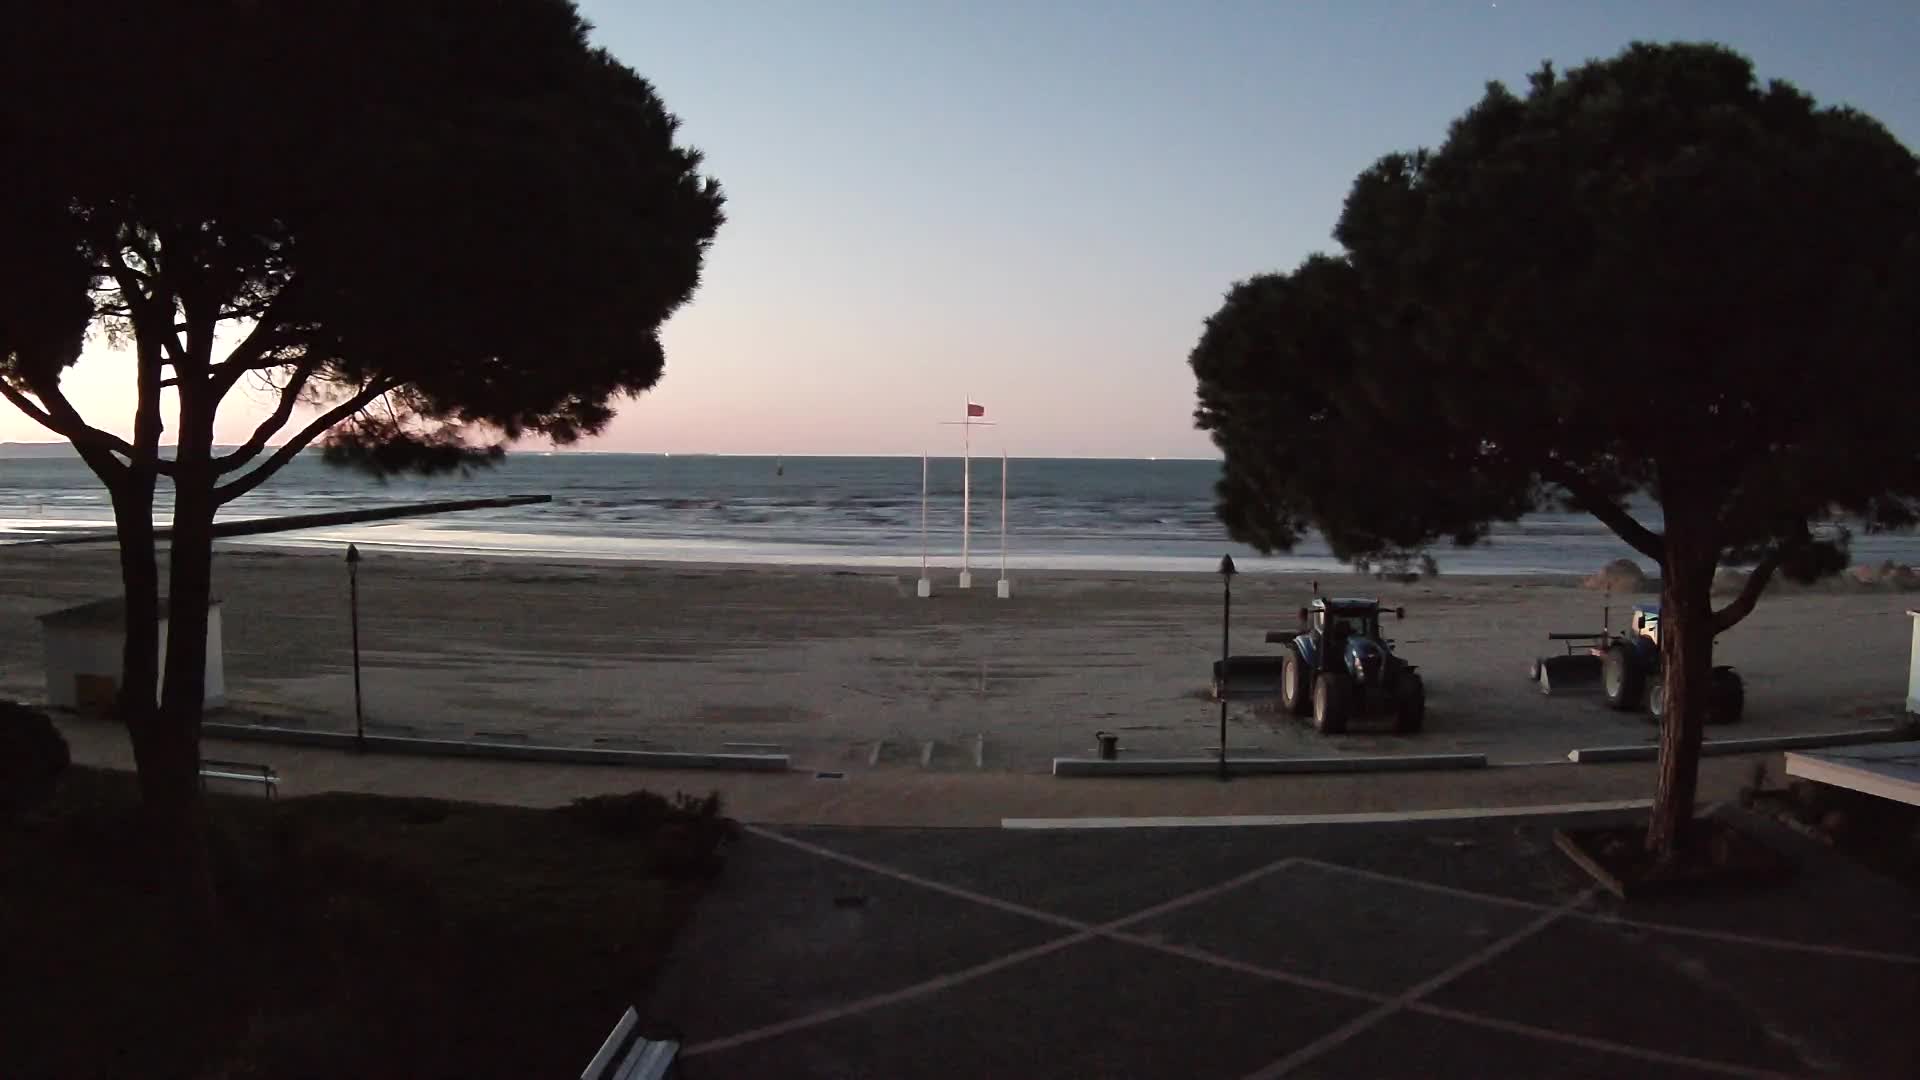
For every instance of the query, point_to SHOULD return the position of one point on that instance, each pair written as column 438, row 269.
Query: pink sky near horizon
column 1036, row 206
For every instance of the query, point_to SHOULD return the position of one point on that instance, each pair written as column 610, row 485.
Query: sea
column 1059, row 514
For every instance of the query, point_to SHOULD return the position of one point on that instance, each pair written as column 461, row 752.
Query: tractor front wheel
column 1294, row 696
column 1332, row 701
column 1622, row 678
column 1729, row 701
column 1410, row 705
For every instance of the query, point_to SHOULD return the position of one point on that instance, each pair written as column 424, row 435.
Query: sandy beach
column 849, row 670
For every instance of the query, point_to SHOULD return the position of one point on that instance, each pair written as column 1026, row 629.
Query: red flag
column 976, row 410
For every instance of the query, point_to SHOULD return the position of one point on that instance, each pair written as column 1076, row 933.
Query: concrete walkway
column 855, row 796
column 1466, row 950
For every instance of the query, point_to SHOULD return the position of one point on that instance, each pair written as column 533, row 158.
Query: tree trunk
column 140, row 653
column 166, row 754
column 189, row 589
column 1686, row 661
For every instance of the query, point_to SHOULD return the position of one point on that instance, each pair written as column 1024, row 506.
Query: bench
column 628, row 1055
column 243, row 771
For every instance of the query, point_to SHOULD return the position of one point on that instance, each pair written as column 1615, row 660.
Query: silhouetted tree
column 1653, row 274
column 425, row 227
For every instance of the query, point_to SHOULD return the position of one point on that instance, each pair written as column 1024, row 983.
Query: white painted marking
column 868, row 1004
column 1372, row 818
column 1114, row 931
column 926, row 753
column 873, row 756
column 915, row 879
column 1782, row 944
column 1083, row 932
column 1368, row 1019
column 1590, row 1043
column 1230, row 964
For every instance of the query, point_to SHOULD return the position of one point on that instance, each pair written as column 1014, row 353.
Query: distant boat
column 779, row 467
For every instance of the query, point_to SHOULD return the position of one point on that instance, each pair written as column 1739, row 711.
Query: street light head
column 1226, row 566
column 353, row 554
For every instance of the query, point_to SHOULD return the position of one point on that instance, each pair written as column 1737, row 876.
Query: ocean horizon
column 1117, row 514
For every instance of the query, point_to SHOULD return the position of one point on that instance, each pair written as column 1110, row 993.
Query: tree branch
column 1611, row 514
column 128, row 278
column 228, row 492
column 96, row 447
column 289, row 396
column 1742, row 606
column 245, row 356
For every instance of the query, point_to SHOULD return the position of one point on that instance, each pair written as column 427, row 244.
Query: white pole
column 926, row 583
column 1005, row 588
column 966, row 500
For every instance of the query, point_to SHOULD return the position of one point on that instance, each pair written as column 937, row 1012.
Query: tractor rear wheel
column 1410, row 705
column 1622, row 678
column 1726, row 703
column 1332, row 701
column 1294, row 678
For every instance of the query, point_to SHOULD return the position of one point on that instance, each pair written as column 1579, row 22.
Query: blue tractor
column 1337, row 664
column 1630, row 673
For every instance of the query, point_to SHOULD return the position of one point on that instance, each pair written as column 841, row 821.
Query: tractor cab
column 1646, row 622
column 1342, row 617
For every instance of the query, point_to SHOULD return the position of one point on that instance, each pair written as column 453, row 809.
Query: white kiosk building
column 83, row 647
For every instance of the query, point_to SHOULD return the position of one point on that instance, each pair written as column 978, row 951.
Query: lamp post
column 1226, row 620
column 353, row 615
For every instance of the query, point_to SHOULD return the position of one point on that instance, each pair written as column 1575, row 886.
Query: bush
column 1620, row 575
column 33, row 754
column 684, row 836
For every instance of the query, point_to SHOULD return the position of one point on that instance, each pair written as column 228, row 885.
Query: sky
column 1034, row 205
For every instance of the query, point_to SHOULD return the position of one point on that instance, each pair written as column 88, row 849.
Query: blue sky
column 1036, row 204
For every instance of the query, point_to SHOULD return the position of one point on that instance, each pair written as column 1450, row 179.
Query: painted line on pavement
column 1083, row 932
column 1346, row 1032
column 894, row 997
column 1588, row 1042
column 1385, row 1005
column 1783, row 944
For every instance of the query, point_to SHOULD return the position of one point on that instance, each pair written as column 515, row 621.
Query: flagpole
column 926, row 583
column 966, row 497
column 1005, row 588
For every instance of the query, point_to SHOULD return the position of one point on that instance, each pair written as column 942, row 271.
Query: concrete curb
column 1210, row 766
column 1386, row 817
column 1595, row 755
column 575, row 755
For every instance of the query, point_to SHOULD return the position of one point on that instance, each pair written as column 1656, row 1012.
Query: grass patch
column 361, row 936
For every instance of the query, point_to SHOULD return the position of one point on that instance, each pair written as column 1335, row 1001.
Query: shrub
column 684, row 836
column 33, row 754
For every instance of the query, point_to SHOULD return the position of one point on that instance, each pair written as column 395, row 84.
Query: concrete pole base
column 966, row 579
column 1004, row 589
column 925, row 589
